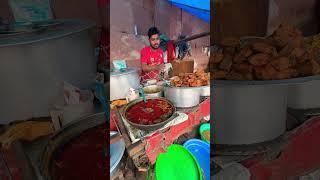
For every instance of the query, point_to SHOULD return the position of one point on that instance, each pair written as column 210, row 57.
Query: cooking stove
column 137, row 134
column 143, row 147
column 181, row 116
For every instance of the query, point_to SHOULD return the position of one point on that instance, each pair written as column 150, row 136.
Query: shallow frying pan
column 153, row 126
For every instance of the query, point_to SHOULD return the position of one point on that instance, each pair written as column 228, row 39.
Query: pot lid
column 123, row 72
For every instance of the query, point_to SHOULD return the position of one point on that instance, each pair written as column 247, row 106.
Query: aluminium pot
column 122, row 81
column 183, row 97
column 249, row 114
column 304, row 95
column 205, row 91
column 153, row 126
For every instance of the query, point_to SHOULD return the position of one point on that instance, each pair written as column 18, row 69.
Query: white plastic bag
column 78, row 103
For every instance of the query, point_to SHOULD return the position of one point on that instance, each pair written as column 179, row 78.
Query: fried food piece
column 286, row 50
column 269, row 72
column 246, row 51
column 238, row 58
column 286, row 74
column 248, row 76
column 315, row 67
column 281, row 63
column 305, row 69
column 242, row 68
column 198, row 78
column 260, row 59
column 217, row 57
column 286, row 34
column 261, row 47
column 119, row 102
column 309, row 68
column 235, row 76
column 258, row 72
column 226, row 62
column 218, row 74
column 304, row 58
column 297, row 52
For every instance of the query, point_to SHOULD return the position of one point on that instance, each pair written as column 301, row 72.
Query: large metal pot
column 183, row 97
column 304, row 95
column 153, row 126
column 41, row 62
column 122, row 81
column 249, row 114
column 205, row 91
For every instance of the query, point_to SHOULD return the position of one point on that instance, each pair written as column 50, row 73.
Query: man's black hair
column 153, row 31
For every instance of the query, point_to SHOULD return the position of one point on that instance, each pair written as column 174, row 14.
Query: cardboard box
column 184, row 66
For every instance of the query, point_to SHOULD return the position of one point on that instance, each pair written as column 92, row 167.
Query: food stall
column 159, row 128
column 264, row 98
column 152, row 124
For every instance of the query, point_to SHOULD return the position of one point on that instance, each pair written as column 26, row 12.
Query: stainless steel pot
column 249, row 114
column 41, row 62
column 205, row 91
column 121, row 82
column 153, row 91
column 304, row 95
column 183, row 97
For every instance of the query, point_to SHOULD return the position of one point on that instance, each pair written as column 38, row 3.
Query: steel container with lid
column 122, row 81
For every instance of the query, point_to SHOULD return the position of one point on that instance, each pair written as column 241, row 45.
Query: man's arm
column 148, row 68
column 144, row 66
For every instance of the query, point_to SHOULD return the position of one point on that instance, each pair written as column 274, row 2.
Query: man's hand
column 148, row 68
column 161, row 67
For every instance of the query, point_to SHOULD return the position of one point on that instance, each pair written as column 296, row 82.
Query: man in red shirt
column 152, row 57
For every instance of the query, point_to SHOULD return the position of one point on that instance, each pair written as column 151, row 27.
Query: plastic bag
column 78, row 103
column 31, row 10
column 119, row 65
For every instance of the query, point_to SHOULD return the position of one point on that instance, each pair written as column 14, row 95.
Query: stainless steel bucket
column 121, row 82
column 183, row 97
column 248, row 114
column 205, row 91
column 304, row 95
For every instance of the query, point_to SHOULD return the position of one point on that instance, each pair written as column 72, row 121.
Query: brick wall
column 126, row 14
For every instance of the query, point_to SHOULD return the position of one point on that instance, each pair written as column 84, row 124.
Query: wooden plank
column 123, row 130
column 136, row 148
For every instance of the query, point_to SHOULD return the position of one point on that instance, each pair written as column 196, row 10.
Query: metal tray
column 62, row 137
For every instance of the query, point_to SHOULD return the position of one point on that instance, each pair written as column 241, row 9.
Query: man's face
column 155, row 41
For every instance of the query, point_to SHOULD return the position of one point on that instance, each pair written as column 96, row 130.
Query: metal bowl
column 153, row 126
column 116, row 152
column 153, row 91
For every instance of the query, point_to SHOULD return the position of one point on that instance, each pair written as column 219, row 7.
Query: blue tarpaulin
column 198, row 8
